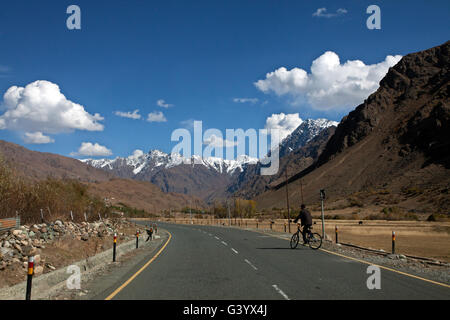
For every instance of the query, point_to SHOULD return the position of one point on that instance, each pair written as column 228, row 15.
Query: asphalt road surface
column 210, row 262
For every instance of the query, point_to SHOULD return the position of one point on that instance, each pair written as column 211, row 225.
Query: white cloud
column 322, row 13
column 37, row 138
column 245, row 100
column 330, row 85
column 92, row 150
column 131, row 115
column 285, row 123
column 188, row 124
column 216, row 141
column 163, row 104
column 156, row 117
column 41, row 107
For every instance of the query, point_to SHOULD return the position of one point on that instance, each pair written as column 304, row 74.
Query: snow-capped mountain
column 156, row 160
column 304, row 133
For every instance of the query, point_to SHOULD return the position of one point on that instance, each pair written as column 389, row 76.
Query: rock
column 32, row 234
column 59, row 223
column 37, row 259
column 85, row 237
column 2, row 265
column 24, row 242
column 17, row 247
column 6, row 252
column 16, row 232
column 38, row 270
column 44, row 230
column 29, row 250
column 50, row 266
column 6, row 244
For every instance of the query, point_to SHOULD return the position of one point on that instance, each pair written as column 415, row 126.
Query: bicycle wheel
column 315, row 241
column 294, row 240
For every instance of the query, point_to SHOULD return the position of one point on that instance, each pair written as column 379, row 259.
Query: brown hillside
column 40, row 165
column 36, row 166
column 396, row 141
column 142, row 195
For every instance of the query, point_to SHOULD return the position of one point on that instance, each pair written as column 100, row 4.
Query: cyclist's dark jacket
column 305, row 217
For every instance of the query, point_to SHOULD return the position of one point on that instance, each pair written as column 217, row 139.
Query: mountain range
column 209, row 178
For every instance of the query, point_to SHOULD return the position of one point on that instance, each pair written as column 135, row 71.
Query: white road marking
column 234, row 251
column 210, row 234
column 280, row 292
column 224, row 243
column 217, row 238
column 251, row 265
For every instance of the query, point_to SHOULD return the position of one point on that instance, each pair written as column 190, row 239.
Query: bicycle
column 314, row 239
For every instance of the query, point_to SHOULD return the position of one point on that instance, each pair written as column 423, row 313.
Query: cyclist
column 306, row 221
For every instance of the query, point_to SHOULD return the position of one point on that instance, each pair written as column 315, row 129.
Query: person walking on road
column 150, row 233
column 306, row 221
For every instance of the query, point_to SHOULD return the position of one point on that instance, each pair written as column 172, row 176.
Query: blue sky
column 198, row 56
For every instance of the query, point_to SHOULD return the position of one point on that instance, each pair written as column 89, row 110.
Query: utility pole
column 301, row 190
column 229, row 217
column 287, row 201
column 190, row 211
column 322, row 198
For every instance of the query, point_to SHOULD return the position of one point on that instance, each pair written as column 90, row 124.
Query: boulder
column 85, row 237
column 29, row 250
column 38, row 270
column 17, row 247
column 16, row 232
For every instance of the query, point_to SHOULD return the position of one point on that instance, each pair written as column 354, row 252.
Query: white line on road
column 234, row 251
column 280, row 292
column 251, row 265
column 224, row 243
column 217, row 238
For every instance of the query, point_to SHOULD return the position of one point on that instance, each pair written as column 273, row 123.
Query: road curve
column 218, row 263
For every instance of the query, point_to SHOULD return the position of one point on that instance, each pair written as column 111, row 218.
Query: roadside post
column 85, row 217
column 393, row 242
column 322, row 198
column 114, row 247
column 29, row 277
column 42, row 216
column 71, row 215
column 137, row 239
column 285, row 227
column 336, row 231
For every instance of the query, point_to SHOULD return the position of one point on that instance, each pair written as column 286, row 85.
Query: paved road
column 207, row 262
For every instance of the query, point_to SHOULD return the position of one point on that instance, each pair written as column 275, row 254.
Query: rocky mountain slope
column 396, row 141
column 296, row 157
